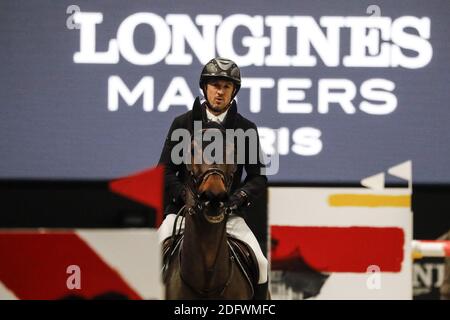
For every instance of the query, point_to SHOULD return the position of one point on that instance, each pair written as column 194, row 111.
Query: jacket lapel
column 230, row 119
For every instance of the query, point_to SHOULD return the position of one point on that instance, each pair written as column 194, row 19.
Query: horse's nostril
column 208, row 195
column 222, row 196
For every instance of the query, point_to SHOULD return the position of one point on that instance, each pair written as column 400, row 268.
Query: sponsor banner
column 340, row 243
column 324, row 83
column 80, row 264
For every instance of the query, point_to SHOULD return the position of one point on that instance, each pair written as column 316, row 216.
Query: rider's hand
column 237, row 200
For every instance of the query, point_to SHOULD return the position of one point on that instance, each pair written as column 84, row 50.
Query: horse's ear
column 234, row 169
column 190, row 157
column 230, row 154
column 195, row 145
column 196, row 153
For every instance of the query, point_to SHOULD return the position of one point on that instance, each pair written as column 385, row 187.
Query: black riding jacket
column 175, row 175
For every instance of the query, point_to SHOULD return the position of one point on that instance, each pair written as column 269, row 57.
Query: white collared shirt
column 219, row 118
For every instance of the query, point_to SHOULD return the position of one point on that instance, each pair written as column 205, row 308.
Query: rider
column 220, row 81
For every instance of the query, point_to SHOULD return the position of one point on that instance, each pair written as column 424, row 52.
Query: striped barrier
column 430, row 248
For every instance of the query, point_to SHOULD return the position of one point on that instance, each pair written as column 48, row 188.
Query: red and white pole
column 430, row 248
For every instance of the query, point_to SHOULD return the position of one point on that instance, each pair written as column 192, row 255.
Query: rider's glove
column 236, row 201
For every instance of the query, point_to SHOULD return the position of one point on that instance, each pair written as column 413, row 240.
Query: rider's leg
column 165, row 236
column 237, row 227
column 166, row 227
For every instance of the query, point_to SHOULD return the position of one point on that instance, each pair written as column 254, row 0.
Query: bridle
column 200, row 204
column 193, row 186
column 199, row 207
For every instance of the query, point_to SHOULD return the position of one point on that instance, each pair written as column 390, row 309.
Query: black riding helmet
column 221, row 68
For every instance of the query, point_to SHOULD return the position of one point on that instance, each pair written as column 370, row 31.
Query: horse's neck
column 204, row 255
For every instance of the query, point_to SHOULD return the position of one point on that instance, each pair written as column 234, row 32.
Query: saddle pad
column 242, row 252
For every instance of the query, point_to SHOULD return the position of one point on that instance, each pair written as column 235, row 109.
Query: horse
column 202, row 265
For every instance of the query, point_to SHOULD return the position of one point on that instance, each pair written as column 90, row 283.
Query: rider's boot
column 262, row 291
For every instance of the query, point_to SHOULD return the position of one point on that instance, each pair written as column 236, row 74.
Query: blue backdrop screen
column 340, row 89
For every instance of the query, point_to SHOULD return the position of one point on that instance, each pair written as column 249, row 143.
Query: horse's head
column 204, row 268
column 211, row 170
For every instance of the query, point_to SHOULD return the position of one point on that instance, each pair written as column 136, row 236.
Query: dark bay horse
column 201, row 266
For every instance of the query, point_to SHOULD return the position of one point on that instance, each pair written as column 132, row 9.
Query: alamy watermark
column 74, row 280
column 236, row 146
column 70, row 23
column 373, row 281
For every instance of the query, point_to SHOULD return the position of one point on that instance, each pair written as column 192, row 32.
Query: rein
column 199, row 207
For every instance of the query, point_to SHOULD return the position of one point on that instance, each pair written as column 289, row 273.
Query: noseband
column 201, row 204
column 197, row 181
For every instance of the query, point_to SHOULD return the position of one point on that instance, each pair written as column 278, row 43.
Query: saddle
column 245, row 258
column 239, row 250
column 169, row 249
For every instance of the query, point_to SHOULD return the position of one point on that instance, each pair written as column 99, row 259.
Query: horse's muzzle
column 209, row 195
column 214, row 211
